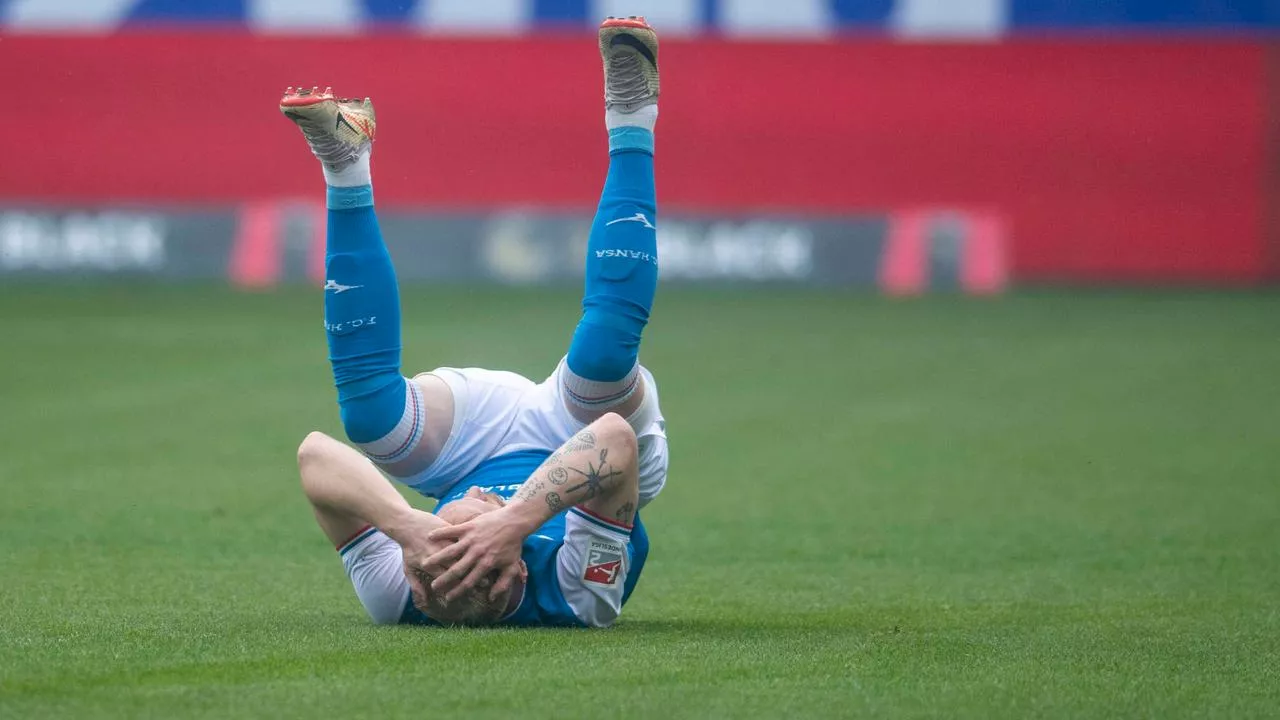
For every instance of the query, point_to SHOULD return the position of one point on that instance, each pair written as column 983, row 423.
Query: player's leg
column 603, row 372
column 401, row 425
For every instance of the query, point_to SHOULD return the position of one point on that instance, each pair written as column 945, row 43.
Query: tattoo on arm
column 558, row 476
column 584, row 440
column 529, row 489
column 595, row 478
column 553, row 487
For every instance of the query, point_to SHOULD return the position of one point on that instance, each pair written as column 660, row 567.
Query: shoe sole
column 636, row 23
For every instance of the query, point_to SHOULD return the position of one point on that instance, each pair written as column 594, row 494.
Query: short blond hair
column 474, row 607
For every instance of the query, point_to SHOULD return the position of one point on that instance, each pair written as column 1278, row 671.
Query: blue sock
column 362, row 317
column 622, row 263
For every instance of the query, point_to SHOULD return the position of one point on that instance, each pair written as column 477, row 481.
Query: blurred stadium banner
column 963, row 18
column 1133, row 141
column 267, row 243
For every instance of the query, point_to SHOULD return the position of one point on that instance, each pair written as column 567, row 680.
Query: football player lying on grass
column 529, row 562
column 590, row 437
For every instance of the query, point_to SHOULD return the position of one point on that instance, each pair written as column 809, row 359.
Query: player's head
column 473, row 503
column 474, row 607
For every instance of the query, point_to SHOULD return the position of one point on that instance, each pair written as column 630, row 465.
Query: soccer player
column 539, row 484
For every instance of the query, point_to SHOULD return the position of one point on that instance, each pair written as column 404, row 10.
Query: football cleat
column 338, row 130
column 629, row 48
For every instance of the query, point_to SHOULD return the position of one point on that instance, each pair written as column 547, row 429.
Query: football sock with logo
column 381, row 411
column 621, row 277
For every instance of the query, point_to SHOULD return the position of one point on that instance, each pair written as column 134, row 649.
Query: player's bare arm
column 595, row 470
column 348, row 495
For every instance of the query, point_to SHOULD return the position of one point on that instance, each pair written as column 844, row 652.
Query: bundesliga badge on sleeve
column 604, row 562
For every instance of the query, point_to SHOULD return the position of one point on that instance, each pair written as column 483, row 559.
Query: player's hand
column 414, row 538
column 490, row 541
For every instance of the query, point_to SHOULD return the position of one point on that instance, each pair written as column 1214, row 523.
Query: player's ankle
column 646, row 117
column 338, row 197
column 630, row 138
column 354, row 175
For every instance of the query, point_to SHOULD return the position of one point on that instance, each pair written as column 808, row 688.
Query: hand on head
column 479, row 602
column 484, row 548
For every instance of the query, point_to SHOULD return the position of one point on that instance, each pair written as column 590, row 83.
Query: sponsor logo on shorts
column 604, row 562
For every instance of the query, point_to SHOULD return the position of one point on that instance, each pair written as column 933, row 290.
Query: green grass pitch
column 1044, row 506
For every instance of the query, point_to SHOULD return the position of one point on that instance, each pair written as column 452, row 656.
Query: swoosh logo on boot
column 632, row 42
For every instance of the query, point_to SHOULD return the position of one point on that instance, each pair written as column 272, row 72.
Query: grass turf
column 1049, row 505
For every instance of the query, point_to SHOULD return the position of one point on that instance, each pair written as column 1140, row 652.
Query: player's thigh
column 592, row 568
column 375, row 566
column 476, row 409
column 438, row 408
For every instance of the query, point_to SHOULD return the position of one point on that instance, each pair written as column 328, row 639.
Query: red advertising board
column 1108, row 159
